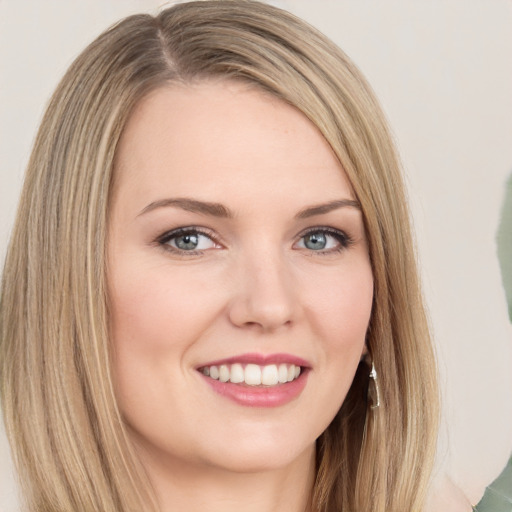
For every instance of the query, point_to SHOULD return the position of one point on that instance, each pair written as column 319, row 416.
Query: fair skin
column 446, row 495
column 270, row 270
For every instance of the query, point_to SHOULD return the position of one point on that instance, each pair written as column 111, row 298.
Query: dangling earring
column 373, row 389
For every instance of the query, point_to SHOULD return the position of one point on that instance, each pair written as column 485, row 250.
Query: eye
column 324, row 240
column 191, row 240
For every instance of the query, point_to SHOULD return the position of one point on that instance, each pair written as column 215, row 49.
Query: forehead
column 224, row 137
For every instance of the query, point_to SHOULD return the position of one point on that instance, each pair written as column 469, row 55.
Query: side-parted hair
column 68, row 437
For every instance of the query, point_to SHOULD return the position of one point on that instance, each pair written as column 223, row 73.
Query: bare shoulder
column 445, row 495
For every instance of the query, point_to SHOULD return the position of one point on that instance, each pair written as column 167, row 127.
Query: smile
column 257, row 380
column 253, row 374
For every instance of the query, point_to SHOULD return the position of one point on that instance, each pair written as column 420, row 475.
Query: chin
column 255, row 455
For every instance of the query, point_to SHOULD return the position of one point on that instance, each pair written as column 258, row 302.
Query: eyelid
column 344, row 239
column 163, row 239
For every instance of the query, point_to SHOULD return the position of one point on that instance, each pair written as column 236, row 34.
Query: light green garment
column 498, row 495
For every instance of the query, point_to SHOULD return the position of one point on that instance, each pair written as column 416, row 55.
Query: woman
column 224, row 266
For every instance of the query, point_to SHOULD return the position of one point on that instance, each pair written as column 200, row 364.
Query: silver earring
column 373, row 389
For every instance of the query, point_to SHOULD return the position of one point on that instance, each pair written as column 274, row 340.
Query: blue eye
column 324, row 240
column 187, row 240
column 316, row 241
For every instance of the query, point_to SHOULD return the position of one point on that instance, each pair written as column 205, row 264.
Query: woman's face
column 237, row 255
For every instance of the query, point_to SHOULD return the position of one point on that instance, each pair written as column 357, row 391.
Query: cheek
column 341, row 308
column 340, row 314
column 154, row 309
column 156, row 318
column 354, row 307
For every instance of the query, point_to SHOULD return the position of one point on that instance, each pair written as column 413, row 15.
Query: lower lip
column 252, row 396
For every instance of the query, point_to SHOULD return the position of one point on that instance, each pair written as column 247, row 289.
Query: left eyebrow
column 327, row 207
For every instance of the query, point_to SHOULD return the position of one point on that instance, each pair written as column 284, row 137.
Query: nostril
column 260, row 313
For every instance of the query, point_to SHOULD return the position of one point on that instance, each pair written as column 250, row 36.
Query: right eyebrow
column 191, row 205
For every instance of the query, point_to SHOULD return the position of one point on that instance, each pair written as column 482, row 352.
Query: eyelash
column 164, row 239
column 344, row 240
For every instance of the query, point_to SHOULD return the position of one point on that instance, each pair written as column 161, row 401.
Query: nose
column 264, row 295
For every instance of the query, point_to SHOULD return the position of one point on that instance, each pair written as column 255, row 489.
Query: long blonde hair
column 67, row 435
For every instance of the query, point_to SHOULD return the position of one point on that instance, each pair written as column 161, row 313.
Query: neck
column 198, row 488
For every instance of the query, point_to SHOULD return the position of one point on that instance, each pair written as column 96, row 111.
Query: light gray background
column 443, row 71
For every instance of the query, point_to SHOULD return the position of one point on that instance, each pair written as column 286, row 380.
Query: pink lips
column 252, row 396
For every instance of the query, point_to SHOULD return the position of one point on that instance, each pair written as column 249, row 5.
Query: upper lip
column 259, row 359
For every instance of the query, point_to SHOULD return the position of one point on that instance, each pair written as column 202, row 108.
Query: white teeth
column 269, row 376
column 253, row 374
column 237, row 373
column 223, row 373
column 214, row 372
column 283, row 373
